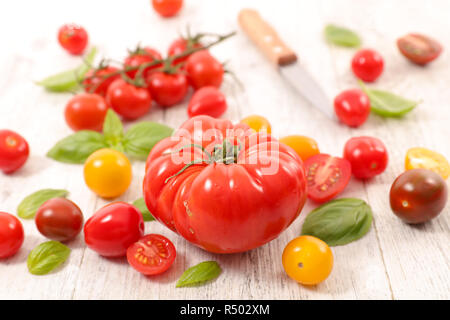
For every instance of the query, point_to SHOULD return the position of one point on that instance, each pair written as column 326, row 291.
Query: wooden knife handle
column 265, row 37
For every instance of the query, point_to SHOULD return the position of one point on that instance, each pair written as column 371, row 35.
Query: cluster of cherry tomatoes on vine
column 146, row 77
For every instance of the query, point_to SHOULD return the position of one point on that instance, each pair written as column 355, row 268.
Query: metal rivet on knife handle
column 265, row 37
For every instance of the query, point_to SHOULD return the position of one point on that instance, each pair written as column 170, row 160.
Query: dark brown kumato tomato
column 59, row 219
column 418, row 195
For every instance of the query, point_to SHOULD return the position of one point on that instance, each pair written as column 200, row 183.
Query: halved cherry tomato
column 258, row 123
column 151, row 255
column 418, row 195
column 113, row 228
column 129, row 101
column 86, row 111
column 305, row 147
column 139, row 57
column 11, row 235
column 367, row 65
column 167, row 8
column 352, row 107
column 308, row 260
column 427, row 159
column 419, row 48
column 73, row 38
column 180, row 46
column 98, row 80
column 14, row 151
column 167, row 89
column 207, row 101
column 327, row 176
column 367, row 155
column 108, row 173
column 204, row 70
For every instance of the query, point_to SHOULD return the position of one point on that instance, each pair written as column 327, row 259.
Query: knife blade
column 269, row 42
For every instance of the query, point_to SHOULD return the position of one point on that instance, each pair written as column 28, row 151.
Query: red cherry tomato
column 167, row 89
column 97, row 81
column 11, row 235
column 73, row 38
column 59, row 219
column 129, row 101
column 367, row 155
column 367, row 65
column 419, row 48
column 139, row 57
column 167, row 8
column 418, row 195
column 327, row 176
column 113, row 228
column 181, row 45
column 352, row 107
column 207, row 101
column 151, row 255
column 14, row 151
column 86, row 111
column 204, row 70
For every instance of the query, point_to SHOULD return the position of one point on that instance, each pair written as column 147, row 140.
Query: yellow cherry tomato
column 427, row 159
column 308, row 260
column 258, row 123
column 305, row 147
column 108, row 173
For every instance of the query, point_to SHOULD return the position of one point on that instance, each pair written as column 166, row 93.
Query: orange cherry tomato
column 305, row 147
column 258, row 123
column 308, row 260
column 108, row 173
column 421, row 158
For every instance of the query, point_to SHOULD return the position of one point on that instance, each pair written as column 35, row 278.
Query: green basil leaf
column 140, row 204
column 199, row 274
column 28, row 207
column 339, row 222
column 387, row 104
column 77, row 147
column 46, row 257
column 341, row 36
column 112, row 127
column 142, row 137
column 68, row 80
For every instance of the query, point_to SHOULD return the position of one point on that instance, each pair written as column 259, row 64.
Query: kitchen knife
column 267, row 39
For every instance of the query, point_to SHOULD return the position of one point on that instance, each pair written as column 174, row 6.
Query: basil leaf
column 28, row 207
column 142, row 207
column 199, row 274
column 339, row 222
column 387, row 104
column 142, row 137
column 46, row 257
column 68, row 80
column 341, row 36
column 77, row 147
column 112, row 126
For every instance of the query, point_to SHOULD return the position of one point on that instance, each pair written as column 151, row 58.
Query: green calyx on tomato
column 225, row 153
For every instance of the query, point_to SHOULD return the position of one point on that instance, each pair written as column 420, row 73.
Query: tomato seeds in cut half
column 327, row 176
column 152, row 254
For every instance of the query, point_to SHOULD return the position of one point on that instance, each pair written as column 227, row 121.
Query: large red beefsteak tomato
column 224, row 188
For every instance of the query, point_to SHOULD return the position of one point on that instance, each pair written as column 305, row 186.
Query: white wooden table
column 393, row 261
